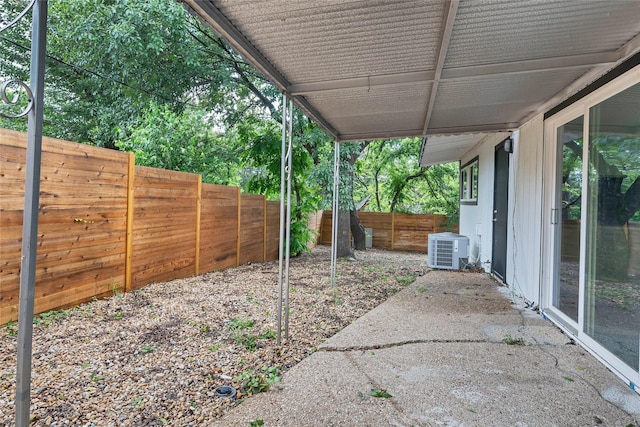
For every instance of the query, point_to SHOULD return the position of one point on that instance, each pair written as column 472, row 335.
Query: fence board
column 273, row 231
column 409, row 231
column 315, row 224
column 251, row 228
column 78, row 181
column 163, row 235
column 85, row 291
column 412, row 231
column 325, row 228
column 381, row 224
column 218, row 227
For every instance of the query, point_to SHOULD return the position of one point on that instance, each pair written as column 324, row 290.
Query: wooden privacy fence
column 106, row 225
column 393, row 231
column 571, row 243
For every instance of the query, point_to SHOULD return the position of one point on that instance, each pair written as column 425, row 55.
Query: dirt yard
column 155, row 357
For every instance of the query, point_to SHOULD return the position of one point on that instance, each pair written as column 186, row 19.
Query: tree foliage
column 183, row 141
column 389, row 172
column 261, row 159
column 108, row 61
column 613, row 194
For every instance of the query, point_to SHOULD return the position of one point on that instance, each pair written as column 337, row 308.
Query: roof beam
column 490, row 127
column 449, row 20
column 630, row 47
column 362, row 82
column 380, row 135
column 312, row 113
column 544, row 64
column 428, row 76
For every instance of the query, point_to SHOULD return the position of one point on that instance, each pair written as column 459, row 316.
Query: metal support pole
column 282, row 219
column 286, row 165
column 288, row 225
column 334, row 221
column 30, row 217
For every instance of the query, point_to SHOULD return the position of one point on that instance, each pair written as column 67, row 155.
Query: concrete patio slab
column 449, row 350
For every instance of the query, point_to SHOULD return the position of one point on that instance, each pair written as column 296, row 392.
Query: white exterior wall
column 530, row 236
column 476, row 220
column 525, row 211
column 525, row 208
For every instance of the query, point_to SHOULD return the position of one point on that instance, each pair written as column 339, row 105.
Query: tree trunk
column 353, row 224
column 358, row 232
column 612, row 254
column 344, row 235
column 614, row 210
column 612, row 246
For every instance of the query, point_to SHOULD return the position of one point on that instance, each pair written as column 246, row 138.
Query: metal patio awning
column 447, row 148
column 391, row 68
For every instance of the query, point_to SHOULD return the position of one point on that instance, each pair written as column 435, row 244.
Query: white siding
column 525, row 208
column 525, row 205
column 476, row 220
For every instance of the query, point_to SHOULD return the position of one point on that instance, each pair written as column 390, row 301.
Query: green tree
column 261, row 157
column 108, row 61
column 389, row 172
column 322, row 175
column 183, row 142
column 614, row 190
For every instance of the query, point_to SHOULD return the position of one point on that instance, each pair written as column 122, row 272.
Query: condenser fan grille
column 446, row 250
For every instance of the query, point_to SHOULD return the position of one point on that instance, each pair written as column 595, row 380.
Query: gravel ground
column 155, row 357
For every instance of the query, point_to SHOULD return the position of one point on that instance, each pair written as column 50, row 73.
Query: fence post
column 238, row 229
column 198, row 213
column 393, row 228
column 128, row 274
column 264, row 231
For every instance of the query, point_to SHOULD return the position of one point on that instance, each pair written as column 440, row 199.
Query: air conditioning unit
column 446, row 251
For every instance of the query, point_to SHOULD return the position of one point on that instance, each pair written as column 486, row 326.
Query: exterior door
column 500, row 206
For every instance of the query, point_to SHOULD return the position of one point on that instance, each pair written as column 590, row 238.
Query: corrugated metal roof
column 375, row 68
column 380, row 110
column 339, row 39
column 444, row 149
column 495, row 102
column 490, row 32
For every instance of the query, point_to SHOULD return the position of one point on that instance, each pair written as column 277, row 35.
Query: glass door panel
column 612, row 280
column 567, row 212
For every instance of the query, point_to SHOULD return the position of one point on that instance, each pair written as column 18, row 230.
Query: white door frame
column 550, row 241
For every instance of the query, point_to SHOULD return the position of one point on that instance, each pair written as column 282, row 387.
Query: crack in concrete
column 542, row 348
column 587, row 382
column 399, row 344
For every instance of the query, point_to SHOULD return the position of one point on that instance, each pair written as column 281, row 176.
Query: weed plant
column 254, row 382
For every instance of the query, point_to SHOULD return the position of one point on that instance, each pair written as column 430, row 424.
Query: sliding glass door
column 594, row 217
column 566, row 217
column 612, row 283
